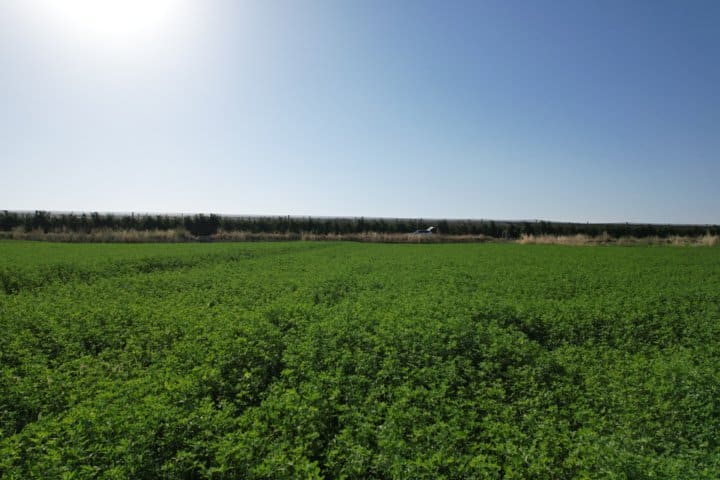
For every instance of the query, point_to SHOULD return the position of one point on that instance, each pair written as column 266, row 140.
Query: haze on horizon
column 562, row 110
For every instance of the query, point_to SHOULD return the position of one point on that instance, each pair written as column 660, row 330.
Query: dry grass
column 710, row 240
column 579, row 239
column 605, row 239
column 100, row 236
column 181, row 235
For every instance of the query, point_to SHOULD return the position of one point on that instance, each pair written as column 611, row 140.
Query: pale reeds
column 710, row 240
column 579, row 239
column 605, row 239
column 101, row 236
column 182, row 235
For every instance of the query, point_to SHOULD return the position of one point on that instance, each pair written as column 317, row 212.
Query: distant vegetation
column 185, row 227
column 342, row 360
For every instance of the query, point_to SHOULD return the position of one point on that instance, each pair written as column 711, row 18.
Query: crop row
column 362, row 361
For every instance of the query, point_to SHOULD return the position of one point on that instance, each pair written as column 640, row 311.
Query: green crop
column 343, row 360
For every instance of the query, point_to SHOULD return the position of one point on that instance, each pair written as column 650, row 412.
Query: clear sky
column 558, row 110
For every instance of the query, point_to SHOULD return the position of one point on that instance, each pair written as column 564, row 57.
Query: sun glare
column 112, row 23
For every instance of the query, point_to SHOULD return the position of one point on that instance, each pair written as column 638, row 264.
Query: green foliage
column 202, row 225
column 342, row 360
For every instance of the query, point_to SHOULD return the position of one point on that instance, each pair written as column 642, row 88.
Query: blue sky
column 562, row 110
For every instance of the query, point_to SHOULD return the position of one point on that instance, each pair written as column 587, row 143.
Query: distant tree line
column 203, row 225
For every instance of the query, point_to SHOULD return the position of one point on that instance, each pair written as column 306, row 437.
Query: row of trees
column 210, row 224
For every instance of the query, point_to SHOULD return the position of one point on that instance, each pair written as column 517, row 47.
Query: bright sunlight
column 111, row 24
